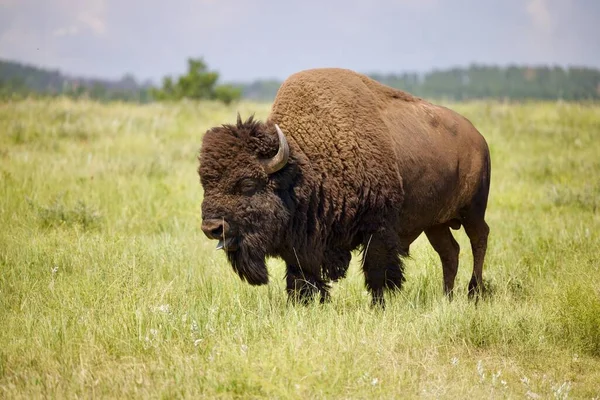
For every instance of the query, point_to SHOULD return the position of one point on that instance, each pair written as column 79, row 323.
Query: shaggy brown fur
column 369, row 166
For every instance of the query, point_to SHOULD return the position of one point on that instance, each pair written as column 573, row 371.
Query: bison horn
column 281, row 158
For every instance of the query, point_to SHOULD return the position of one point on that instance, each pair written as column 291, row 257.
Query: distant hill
column 18, row 78
column 473, row 82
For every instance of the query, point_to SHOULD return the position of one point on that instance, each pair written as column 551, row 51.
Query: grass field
column 108, row 288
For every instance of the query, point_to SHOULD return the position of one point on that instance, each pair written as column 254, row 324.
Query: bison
column 344, row 162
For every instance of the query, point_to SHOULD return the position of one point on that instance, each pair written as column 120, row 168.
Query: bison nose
column 215, row 228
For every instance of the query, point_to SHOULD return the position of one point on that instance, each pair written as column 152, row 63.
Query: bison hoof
column 476, row 290
column 378, row 302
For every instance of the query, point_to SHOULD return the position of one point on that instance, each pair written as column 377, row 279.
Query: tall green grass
column 108, row 288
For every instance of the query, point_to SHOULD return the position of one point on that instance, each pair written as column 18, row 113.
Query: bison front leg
column 382, row 267
column 302, row 286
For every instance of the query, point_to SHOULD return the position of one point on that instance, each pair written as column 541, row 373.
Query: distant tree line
column 473, row 82
column 513, row 82
column 19, row 80
column 478, row 82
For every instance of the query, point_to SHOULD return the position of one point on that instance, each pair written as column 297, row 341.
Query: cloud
column 85, row 15
column 246, row 39
column 66, row 31
column 93, row 22
column 418, row 3
column 539, row 12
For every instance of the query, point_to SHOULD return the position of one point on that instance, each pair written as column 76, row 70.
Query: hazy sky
column 247, row 39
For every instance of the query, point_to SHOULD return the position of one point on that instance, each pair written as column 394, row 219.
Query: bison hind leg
column 383, row 268
column 445, row 245
column 473, row 220
column 477, row 231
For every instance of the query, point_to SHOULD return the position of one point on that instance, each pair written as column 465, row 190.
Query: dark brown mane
column 243, row 129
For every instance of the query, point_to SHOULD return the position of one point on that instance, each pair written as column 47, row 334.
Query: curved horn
column 281, row 158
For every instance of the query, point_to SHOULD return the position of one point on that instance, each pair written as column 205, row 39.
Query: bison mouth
column 221, row 230
column 228, row 244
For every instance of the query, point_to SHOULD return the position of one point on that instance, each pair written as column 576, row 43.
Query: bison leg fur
column 477, row 231
column 473, row 220
column 382, row 267
column 302, row 286
column 443, row 243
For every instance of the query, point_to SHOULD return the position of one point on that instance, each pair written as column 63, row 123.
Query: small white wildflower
column 495, row 377
column 55, row 270
column 194, row 326
column 562, row 391
column 374, row 382
column 197, row 342
column 164, row 308
column 150, row 341
column 480, row 369
column 454, row 361
column 503, row 382
column 525, row 380
column 244, row 348
column 532, row 395
column 153, row 332
column 575, row 357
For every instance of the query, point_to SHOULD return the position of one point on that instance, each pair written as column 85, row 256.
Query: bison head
column 242, row 171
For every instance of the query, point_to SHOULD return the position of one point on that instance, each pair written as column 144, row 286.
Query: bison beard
column 256, row 241
column 248, row 260
column 249, row 263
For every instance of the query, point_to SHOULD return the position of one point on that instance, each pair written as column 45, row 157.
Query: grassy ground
column 108, row 288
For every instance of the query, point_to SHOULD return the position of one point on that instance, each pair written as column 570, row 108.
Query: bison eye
column 247, row 186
